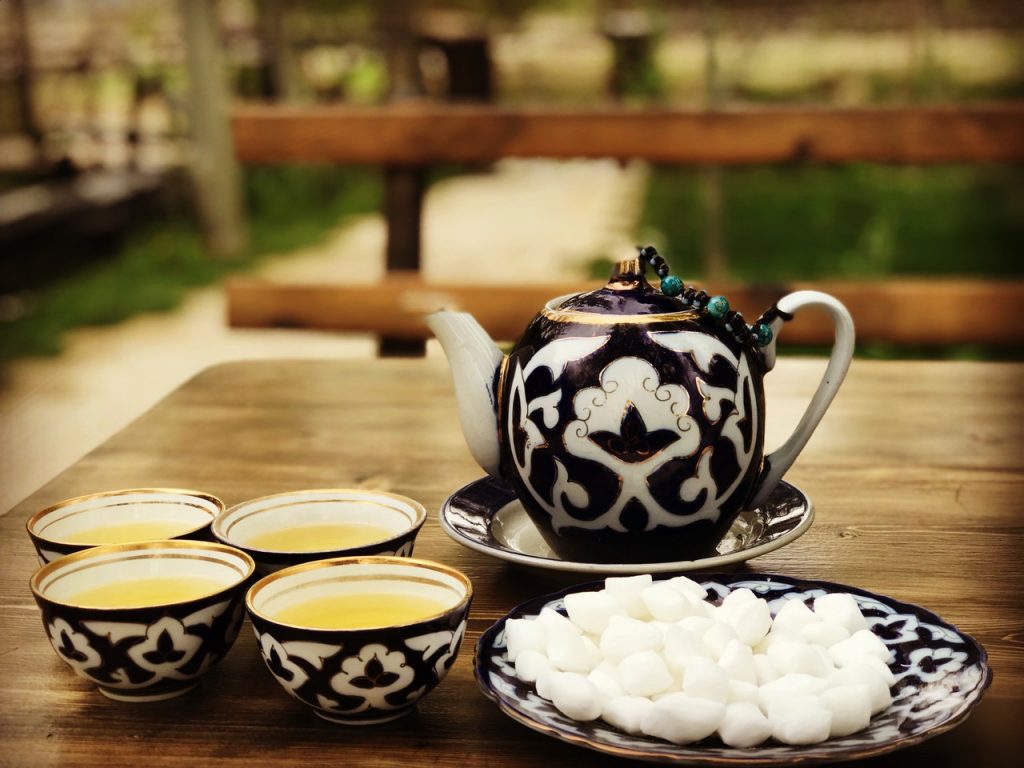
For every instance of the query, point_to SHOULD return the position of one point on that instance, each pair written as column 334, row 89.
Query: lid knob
column 628, row 274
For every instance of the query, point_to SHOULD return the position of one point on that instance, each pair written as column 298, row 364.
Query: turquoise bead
column 671, row 285
column 718, row 306
column 763, row 334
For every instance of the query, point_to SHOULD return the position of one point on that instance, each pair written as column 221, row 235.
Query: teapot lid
column 627, row 292
column 628, row 297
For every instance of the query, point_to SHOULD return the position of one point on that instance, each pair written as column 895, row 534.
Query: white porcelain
column 485, row 516
column 401, row 516
column 145, row 653
column 366, row 675
column 192, row 512
column 631, row 422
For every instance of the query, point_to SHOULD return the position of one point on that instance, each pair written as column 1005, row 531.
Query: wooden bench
column 416, row 135
column 897, row 311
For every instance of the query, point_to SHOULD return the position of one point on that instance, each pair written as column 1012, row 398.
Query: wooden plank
column 424, row 133
column 926, row 312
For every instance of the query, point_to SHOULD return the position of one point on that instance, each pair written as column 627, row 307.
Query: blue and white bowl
column 401, row 516
column 144, row 653
column 186, row 515
column 366, row 675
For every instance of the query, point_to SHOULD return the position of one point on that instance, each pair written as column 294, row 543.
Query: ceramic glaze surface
column 635, row 429
column 360, row 676
column 152, row 652
column 153, row 513
column 941, row 674
column 631, row 422
column 398, row 517
column 486, row 516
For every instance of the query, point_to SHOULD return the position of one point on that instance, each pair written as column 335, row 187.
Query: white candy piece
column 861, row 673
column 545, row 677
column 718, row 637
column 751, row 620
column 802, row 723
column 793, row 657
column 881, row 668
column 779, row 635
column 823, row 633
column 740, row 691
column 666, row 604
column 644, row 674
column 737, row 661
column 627, row 590
column 697, row 624
column 573, row 653
column 744, row 725
column 688, row 587
column 736, row 598
column 766, row 670
column 703, row 679
column 575, row 696
column 530, row 665
column 523, row 635
column 857, row 646
column 606, row 677
column 553, row 621
column 682, row 645
column 682, row 719
column 789, row 688
column 590, row 611
column 626, row 713
column 850, row 706
column 625, row 635
column 841, row 609
column 794, row 614
column 776, row 706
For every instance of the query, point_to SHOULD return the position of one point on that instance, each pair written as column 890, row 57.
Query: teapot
column 630, row 420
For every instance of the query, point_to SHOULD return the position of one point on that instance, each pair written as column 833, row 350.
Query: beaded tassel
column 717, row 307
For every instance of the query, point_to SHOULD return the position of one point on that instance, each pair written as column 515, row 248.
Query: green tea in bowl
column 302, row 526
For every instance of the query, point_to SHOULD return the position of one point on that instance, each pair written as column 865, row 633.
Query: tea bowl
column 143, row 649
column 398, row 520
column 121, row 517
column 361, row 675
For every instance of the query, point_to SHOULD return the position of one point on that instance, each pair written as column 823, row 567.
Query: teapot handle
column 779, row 461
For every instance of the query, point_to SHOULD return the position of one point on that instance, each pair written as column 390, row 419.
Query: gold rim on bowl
column 31, row 522
column 223, row 518
column 430, row 565
column 140, row 547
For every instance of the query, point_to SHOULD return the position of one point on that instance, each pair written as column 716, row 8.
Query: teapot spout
column 475, row 361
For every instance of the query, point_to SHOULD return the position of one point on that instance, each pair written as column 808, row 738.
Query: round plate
column 486, row 516
column 940, row 672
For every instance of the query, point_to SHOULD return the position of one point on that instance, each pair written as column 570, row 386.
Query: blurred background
column 325, row 158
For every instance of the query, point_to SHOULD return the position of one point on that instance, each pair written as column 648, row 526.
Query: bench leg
column 403, row 208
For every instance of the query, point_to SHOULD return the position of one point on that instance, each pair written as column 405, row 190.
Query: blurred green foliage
column 158, row 263
column 856, row 221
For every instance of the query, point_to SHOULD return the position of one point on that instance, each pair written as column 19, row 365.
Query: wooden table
column 916, row 474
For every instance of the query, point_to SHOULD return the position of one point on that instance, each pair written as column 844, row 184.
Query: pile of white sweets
column 658, row 659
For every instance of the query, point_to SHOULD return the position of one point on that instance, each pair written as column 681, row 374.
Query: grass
column 858, row 221
column 160, row 261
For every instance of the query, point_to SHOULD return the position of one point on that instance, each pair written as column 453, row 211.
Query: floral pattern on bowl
column 145, row 653
column 362, row 676
column 941, row 675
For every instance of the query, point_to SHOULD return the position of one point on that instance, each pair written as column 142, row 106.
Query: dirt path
column 528, row 221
